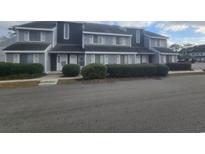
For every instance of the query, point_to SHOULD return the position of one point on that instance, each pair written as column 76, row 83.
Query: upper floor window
column 97, row 39
column 34, row 36
column 120, row 41
column 66, row 31
column 137, row 36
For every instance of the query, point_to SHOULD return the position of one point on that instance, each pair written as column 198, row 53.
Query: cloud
column 4, row 25
column 176, row 26
column 138, row 24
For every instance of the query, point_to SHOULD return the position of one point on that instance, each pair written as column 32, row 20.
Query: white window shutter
column 92, row 58
column 36, row 58
column 16, row 58
column 118, row 59
column 106, row 59
column 43, row 36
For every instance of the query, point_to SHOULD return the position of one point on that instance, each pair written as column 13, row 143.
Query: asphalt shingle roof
column 154, row 34
column 67, row 47
column 116, row 49
column 39, row 24
column 22, row 46
column 103, row 28
column 164, row 50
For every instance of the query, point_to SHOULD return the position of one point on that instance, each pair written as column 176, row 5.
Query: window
column 34, row 36
column 26, row 58
column 66, row 31
column 137, row 36
column 124, row 59
column 97, row 39
column 118, row 41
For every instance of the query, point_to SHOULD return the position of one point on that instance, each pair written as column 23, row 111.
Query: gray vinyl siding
column 48, row 36
column 146, row 42
column 2, row 55
column 9, row 58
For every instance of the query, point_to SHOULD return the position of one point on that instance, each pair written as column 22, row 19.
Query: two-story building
column 56, row 43
column 196, row 52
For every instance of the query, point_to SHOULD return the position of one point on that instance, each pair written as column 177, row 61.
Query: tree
column 176, row 47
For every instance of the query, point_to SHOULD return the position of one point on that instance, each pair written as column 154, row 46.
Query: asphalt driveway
column 172, row 104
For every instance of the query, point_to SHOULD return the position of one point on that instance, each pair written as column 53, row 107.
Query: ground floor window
column 26, row 58
column 123, row 59
column 168, row 58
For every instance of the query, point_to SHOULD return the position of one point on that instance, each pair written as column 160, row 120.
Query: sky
column 178, row 31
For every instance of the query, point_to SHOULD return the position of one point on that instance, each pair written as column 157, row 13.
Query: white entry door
column 73, row 59
column 62, row 59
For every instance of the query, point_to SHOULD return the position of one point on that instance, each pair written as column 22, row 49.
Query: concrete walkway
column 45, row 80
column 186, row 72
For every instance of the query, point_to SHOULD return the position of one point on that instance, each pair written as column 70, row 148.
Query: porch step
column 47, row 82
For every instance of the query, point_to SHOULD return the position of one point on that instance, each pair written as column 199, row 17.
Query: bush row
column 7, row 69
column 137, row 70
column 98, row 71
column 179, row 66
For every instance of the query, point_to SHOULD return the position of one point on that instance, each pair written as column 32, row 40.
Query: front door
column 62, row 59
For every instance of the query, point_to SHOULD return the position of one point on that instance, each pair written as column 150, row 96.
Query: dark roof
column 22, row 46
column 197, row 48
column 164, row 50
column 39, row 24
column 116, row 49
column 154, row 34
column 67, row 47
column 103, row 28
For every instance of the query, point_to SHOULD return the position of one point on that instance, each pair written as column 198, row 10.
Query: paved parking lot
column 172, row 104
column 198, row 65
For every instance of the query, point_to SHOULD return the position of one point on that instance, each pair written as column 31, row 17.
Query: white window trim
column 42, row 37
column 36, row 58
column 64, row 28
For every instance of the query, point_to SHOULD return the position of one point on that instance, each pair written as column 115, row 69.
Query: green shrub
column 162, row 70
column 94, row 71
column 132, row 70
column 7, row 69
column 179, row 66
column 70, row 70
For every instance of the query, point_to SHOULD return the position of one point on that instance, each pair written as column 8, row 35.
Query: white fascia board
column 26, row 51
column 66, row 52
column 169, row 54
column 102, row 52
column 163, row 37
column 144, row 53
column 29, row 28
column 112, row 34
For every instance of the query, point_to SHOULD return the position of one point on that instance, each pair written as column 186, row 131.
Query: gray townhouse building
column 56, row 43
column 196, row 52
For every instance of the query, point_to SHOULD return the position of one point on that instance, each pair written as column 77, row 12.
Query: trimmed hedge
column 94, row 71
column 70, row 70
column 179, row 66
column 7, row 69
column 162, row 70
column 137, row 70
